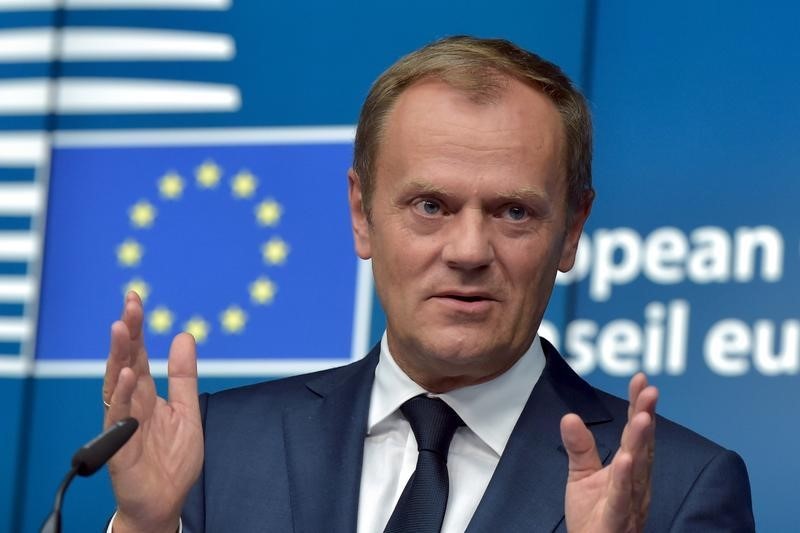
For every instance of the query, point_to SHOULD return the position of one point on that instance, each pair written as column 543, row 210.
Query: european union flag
column 246, row 245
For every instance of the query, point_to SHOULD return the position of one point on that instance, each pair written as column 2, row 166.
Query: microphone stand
column 53, row 522
column 88, row 460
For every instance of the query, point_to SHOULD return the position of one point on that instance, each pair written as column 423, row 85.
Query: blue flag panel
column 246, row 247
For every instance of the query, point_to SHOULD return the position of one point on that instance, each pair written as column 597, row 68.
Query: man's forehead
column 436, row 105
column 432, row 119
column 533, row 108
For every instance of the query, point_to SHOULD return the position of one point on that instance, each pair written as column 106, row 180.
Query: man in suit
column 470, row 187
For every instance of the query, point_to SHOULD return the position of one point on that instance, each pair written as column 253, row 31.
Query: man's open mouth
column 467, row 298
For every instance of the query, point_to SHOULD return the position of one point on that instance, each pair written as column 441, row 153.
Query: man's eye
column 515, row 212
column 429, row 207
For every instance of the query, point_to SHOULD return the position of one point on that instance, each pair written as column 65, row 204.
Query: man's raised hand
column 153, row 472
column 614, row 498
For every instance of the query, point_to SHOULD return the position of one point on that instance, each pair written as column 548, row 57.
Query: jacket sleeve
column 193, row 513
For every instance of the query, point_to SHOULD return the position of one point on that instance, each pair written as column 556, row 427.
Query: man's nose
column 468, row 244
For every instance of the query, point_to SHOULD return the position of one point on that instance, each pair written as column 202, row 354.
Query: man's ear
column 575, row 220
column 358, row 216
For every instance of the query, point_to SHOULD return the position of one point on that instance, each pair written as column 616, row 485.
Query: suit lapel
column 526, row 492
column 324, row 447
column 324, row 437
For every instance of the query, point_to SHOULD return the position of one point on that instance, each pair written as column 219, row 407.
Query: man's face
column 469, row 225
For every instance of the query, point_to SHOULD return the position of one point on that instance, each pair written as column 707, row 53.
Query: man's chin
column 461, row 353
column 447, row 368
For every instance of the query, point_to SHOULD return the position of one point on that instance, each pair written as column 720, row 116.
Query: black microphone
column 88, row 460
column 94, row 454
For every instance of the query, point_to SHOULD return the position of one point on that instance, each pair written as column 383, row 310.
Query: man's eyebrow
column 424, row 187
column 525, row 194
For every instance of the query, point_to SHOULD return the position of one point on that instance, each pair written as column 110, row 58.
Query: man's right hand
column 153, row 472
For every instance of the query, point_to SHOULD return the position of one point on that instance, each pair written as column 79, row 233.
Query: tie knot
column 433, row 422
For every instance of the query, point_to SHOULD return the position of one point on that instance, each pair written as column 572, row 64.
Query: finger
column 640, row 447
column 636, row 385
column 638, row 442
column 118, row 357
column 641, row 397
column 121, row 400
column 133, row 317
column 645, row 402
column 638, row 438
column 580, row 446
column 127, row 346
column 182, row 371
column 618, row 515
column 133, row 314
column 643, row 460
column 122, row 406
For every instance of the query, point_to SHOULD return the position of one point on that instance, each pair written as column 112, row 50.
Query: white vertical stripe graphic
column 17, row 288
column 18, row 246
column 115, row 95
column 16, row 365
column 15, row 329
column 29, row 151
column 21, row 199
column 23, row 149
column 114, row 44
column 36, row 5
column 199, row 136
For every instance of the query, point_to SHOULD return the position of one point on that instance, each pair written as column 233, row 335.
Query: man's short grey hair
column 480, row 68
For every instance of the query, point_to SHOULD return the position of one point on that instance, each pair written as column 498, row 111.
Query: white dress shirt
column 490, row 411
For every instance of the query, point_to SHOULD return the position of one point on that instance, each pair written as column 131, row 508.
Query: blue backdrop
column 210, row 174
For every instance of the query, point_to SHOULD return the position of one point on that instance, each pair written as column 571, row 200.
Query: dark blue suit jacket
column 286, row 456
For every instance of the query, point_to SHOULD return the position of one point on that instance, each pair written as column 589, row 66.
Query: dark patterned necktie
column 421, row 506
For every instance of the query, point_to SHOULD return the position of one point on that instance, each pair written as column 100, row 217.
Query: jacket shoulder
column 279, row 394
column 697, row 485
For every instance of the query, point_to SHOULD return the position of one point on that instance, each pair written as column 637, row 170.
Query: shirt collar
column 490, row 409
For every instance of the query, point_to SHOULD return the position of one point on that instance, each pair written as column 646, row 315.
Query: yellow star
column 142, row 214
column 233, row 319
column 160, row 320
column 130, row 253
column 268, row 212
column 208, row 175
column 139, row 286
column 170, row 186
column 262, row 291
column 275, row 251
column 244, row 184
column 197, row 328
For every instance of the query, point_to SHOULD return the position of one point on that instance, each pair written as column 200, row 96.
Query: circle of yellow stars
column 142, row 215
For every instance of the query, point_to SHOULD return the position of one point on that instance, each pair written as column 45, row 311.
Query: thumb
column 581, row 450
column 182, row 372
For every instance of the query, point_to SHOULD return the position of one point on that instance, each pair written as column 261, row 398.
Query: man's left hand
column 614, row 498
